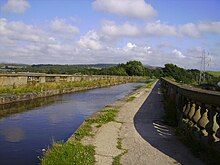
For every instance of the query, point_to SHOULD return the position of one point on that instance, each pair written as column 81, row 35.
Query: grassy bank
column 74, row 152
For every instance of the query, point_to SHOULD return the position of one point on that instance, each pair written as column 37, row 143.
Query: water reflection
column 18, row 107
column 13, row 134
column 28, row 127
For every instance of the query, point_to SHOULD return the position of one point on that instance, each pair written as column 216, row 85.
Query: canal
column 27, row 128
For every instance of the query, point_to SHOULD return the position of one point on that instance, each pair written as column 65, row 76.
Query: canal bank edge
column 12, row 98
column 101, row 121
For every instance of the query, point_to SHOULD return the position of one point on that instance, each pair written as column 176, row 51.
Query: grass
column 214, row 73
column 119, row 144
column 131, row 98
column 150, row 83
column 117, row 159
column 38, row 88
column 73, row 152
column 70, row 153
column 105, row 116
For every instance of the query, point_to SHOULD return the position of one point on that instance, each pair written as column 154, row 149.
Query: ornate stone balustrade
column 197, row 108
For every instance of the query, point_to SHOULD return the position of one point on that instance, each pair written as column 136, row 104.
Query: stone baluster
column 197, row 114
column 212, row 126
column 191, row 111
column 218, row 122
column 187, row 109
column 203, row 121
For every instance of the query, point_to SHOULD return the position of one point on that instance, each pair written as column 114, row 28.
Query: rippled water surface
column 26, row 128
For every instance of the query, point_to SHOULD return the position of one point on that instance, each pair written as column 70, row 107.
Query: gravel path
column 144, row 138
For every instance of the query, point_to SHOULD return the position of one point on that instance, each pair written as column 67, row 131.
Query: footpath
column 137, row 136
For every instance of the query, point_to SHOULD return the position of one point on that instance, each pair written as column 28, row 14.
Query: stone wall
column 198, row 110
column 34, row 78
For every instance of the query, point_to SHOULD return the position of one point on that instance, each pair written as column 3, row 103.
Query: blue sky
column 110, row 31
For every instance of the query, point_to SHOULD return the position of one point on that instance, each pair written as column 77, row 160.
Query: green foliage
column 119, row 144
column 116, row 160
column 131, row 98
column 214, row 73
column 105, row 116
column 69, row 153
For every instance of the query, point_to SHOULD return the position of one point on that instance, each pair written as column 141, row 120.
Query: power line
column 205, row 61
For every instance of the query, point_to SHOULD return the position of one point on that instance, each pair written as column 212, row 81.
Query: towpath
column 138, row 136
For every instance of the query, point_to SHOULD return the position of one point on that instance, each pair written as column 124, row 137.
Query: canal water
column 27, row 128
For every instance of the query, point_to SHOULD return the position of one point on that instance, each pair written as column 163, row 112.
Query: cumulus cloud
column 160, row 29
column 110, row 29
column 197, row 30
column 90, row 40
column 178, row 53
column 19, row 31
column 16, row 6
column 61, row 27
column 130, row 8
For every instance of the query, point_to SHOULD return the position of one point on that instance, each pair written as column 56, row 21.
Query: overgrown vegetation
column 38, row 88
column 69, row 153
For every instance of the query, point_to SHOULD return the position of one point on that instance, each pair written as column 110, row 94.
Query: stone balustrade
column 197, row 109
column 20, row 79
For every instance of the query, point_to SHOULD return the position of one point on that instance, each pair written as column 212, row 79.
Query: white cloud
column 190, row 30
column 178, row 53
column 130, row 8
column 197, row 30
column 110, row 29
column 160, row 29
column 16, row 6
column 60, row 26
column 90, row 41
column 212, row 27
column 18, row 31
column 129, row 46
column 25, row 43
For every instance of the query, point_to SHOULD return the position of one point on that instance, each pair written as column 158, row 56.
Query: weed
column 131, row 98
column 69, row 153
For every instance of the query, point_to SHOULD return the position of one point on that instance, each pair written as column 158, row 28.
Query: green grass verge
column 105, row 116
column 131, row 98
column 73, row 152
column 70, row 153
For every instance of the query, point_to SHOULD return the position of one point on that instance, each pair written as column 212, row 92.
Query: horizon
column 110, row 32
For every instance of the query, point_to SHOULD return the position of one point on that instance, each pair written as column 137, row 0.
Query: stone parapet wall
column 20, row 79
column 198, row 109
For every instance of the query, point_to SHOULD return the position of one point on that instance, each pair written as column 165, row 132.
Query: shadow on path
column 147, row 122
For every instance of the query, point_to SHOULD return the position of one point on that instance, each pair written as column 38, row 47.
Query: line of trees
column 131, row 68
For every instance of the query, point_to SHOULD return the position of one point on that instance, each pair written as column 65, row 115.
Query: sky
column 154, row 32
